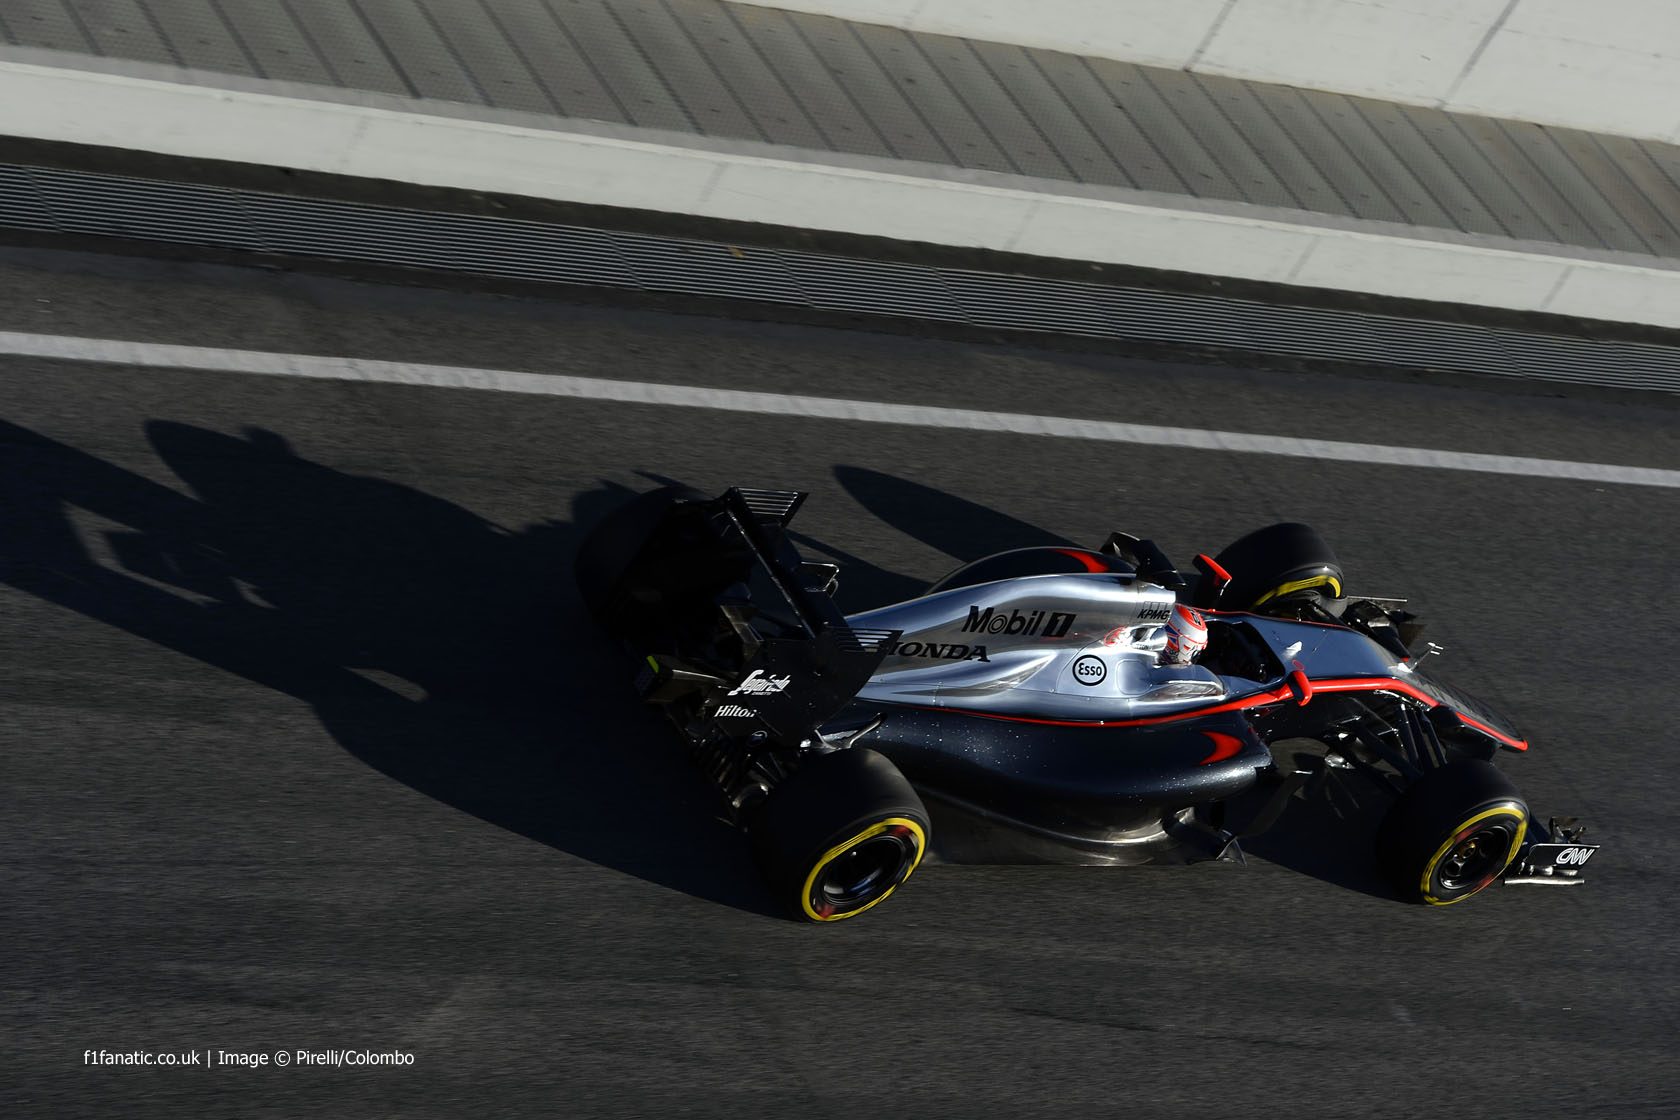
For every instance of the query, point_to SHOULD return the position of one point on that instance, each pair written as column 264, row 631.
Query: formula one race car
column 1093, row 706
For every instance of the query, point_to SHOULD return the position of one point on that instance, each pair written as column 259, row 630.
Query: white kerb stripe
column 155, row 355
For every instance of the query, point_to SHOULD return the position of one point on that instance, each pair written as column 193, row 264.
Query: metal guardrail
column 89, row 204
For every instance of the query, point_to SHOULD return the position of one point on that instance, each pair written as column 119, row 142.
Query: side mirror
column 1218, row 576
column 1299, row 686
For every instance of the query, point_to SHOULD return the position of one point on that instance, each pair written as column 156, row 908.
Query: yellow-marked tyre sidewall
column 1278, row 561
column 828, row 806
column 1464, row 829
column 828, row 857
column 1325, row 581
column 1437, row 811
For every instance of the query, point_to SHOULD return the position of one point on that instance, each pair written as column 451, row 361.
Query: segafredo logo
column 1049, row 624
column 941, row 651
column 758, row 683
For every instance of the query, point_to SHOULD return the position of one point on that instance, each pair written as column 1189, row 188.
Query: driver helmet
column 1187, row 636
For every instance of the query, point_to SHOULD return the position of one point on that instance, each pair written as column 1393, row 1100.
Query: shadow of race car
column 1051, row 704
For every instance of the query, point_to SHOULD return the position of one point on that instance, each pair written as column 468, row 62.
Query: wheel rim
column 1475, row 855
column 860, row 874
column 1474, row 861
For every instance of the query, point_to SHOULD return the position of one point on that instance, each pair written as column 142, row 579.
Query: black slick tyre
column 840, row 835
column 1452, row 833
column 1277, row 562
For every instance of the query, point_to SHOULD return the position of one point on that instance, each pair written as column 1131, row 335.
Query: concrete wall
column 621, row 166
column 1603, row 65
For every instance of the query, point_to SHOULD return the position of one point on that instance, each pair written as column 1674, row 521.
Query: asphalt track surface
column 306, row 745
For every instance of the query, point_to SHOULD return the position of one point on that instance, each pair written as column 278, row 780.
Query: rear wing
column 739, row 634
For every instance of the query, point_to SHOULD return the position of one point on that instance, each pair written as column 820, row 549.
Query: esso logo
column 1089, row 670
column 1574, row 857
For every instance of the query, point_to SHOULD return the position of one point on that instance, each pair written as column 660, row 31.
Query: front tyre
column 1452, row 833
column 840, row 835
column 1274, row 565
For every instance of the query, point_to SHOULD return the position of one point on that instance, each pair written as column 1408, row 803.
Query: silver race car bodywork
column 1026, row 699
column 1047, row 695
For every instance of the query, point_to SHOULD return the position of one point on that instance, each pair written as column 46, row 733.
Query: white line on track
column 158, row 356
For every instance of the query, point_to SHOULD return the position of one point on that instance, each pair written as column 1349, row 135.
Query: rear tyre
column 840, row 835
column 1452, row 833
column 1274, row 565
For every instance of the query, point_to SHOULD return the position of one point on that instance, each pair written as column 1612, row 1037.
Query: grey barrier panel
column 115, row 206
column 713, row 68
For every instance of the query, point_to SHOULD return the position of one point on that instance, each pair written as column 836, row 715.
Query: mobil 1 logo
column 1043, row 624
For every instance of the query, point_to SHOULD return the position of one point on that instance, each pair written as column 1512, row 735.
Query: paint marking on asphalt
column 159, row 356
